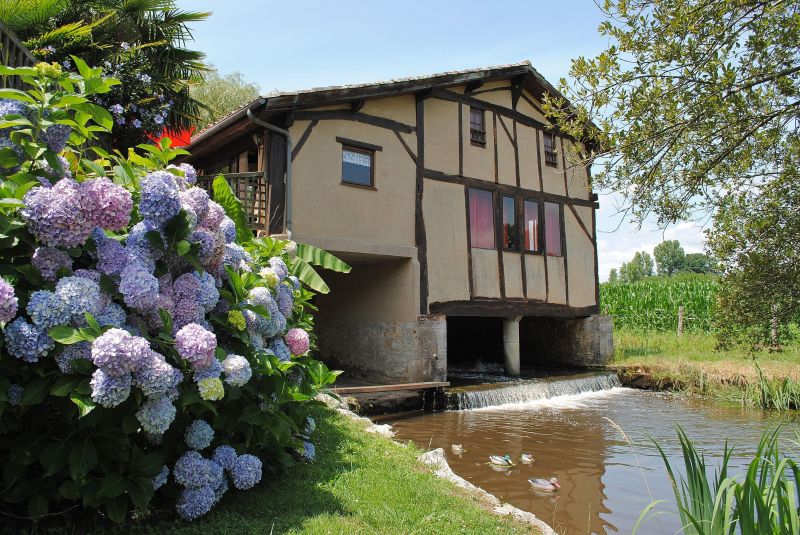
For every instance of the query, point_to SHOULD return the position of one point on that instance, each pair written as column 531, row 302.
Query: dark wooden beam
column 504, row 188
column 473, row 85
column 303, row 138
column 358, row 144
column 510, row 307
column 348, row 115
column 357, row 105
column 420, row 238
column 368, row 389
column 405, row 146
column 580, row 222
column 469, row 243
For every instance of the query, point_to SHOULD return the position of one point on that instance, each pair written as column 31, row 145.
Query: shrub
column 144, row 350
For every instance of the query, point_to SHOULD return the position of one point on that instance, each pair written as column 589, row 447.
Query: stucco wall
column 478, row 161
column 512, row 267
column 535, row 281
column 528, row 157
column 556, row 280
column 552, row 177
column 506, row 162
column 580, row 259
column 485, row 273
column 441, row 135
column 446, row 228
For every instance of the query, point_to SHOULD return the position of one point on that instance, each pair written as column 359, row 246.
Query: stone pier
column 511, row 345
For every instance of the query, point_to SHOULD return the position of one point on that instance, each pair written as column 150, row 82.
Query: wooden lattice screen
column 13, row 54
column 252, row 190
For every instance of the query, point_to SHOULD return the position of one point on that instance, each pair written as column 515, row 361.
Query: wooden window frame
column 351, row 147
column 540, row 227
column 500, row 240
column 561, row 230
column 477, row 136
column 550, row 156
column 494, row 195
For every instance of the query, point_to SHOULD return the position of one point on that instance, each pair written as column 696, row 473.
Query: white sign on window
column 357, row 158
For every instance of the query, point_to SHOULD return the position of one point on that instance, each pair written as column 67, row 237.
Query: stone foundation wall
column 392, row 352
column 567, row 342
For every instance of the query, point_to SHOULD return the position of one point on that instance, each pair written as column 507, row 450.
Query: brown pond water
column 604, row 484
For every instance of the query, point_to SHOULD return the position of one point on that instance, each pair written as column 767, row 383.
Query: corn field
column 653, row 303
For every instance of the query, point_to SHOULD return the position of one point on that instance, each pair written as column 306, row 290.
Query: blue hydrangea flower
column 48, row 260
column 8, row 302
column 295, row 282
column 228, row 228
column 47, row 310
column 110, row 390
column 260, row 296
column 15, row 392
column 196, row 199
column 139, row 288
column 161, row 479
column 55, row 137
column 237, row 370
column 285, row 300
column 246, row 472
column 154, row 376
column 225, row 456
column 199, row 435
column 81, row 350
column 193, row 471
column 56, row 215
column 156, row 414
column 80, row 296
column 187, row 286
column 281, row 350
column 207, row 293
column 112, row 315
column 309, row 451
column 277, row 263
column 195, row 502
column 236, row 257
column 27, row 342
column 221, row 489
column 139, row 247
column 207, row 243
column 213, row 370
column 112, row 256
column 119, row 353
column 159, row 201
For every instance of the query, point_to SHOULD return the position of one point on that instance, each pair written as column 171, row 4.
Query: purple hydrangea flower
column 15, row 392
column 137, row 123
column 213, row 216
column 27, row 342
column 139, row 246
column 154, row 377
column 49, row 175
column 159, row 201
column 79, row 295
column 91, row 274
column 277, row 263
column 116, row 109
column 206, row 240
column 8, row 302
column 196, row 344
column 110, row 390
column 228, row 228
column 237, row 370
column 55, row 137
column 297, row 341
column 246, row 472
column 295, row 282
column 285, row 300
column 156, row 414
column 199, row 435
column 56, row 216
column 207, row 293
column 187, row 311
column 187, row 286
column 158, row 119
column 213, row 370
column 119, row 353
column 189, row 173
column 161, row 479
column 281, row 350
column 112, row 257
column 195, row 502
column 139, row 288
column 236, row 257
column 196, row 199
column 225, row 456
column 47, row 310
column 112, row 315
column 81, row 350
column 108, row 204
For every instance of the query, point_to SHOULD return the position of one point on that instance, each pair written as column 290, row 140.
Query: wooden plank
column 388, row 388
column 420, row 237
column 347, row 115
column 510, row 307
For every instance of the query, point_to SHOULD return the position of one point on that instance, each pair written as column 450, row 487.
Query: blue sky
column 302, row 44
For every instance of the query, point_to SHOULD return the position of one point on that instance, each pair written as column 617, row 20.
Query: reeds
column 765, row 501
column 772, row 394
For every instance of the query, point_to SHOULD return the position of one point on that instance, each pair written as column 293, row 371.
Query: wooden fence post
column 680, row 320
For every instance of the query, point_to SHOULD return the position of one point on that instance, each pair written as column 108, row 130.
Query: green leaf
column 140, row 491
column 8, row 157
column 182, row 247
column 85, row 404
column 35, row 391
column 155, row 239
column 16, row 94
column 177, row 229
column 66, row 335
column 113, row 485
column 9, row 202
column 93, row 325
column 166, row 319
column 308, row 276
column 82, row 459
column 117, row 509
column 64, row 385
column 53, row 458
column 322, row 258
column 224, row 196
column 38, row 506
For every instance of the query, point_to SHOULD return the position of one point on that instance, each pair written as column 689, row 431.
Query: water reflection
column 606, row 482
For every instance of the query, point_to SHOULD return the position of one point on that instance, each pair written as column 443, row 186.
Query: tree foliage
column 696, row 108
column 670, row 257
column 699, row 263
column 640, row 266
column 219, row 95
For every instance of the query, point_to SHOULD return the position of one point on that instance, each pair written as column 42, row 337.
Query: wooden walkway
column 372, row 389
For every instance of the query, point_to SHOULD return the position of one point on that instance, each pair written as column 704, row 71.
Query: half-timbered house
column 470, row 232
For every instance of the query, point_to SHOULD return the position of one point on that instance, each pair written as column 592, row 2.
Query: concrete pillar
column 511, row 345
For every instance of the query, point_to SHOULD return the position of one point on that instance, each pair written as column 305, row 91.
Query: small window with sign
column 358, row 167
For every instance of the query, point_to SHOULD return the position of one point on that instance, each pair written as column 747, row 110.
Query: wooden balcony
column 252, row 189
column 13, row 54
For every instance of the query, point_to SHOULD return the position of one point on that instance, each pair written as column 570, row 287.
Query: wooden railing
column 252, row 189
column 13, row 54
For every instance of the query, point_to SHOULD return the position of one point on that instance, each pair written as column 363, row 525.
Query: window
column 550, row 150
column 510, row 231
column 531, row 228
column 552, row 228
column 477, row 127
column 358, row 166
column 481, row 219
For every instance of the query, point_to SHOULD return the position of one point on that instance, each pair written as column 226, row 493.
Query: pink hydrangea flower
column 297, row 340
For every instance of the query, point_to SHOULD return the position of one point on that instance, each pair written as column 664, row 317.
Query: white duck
column 458, row 449
column 550, row 485
column 526, row 458
column 497, row 460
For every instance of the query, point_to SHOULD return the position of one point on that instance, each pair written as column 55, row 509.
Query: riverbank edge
column 436, row 461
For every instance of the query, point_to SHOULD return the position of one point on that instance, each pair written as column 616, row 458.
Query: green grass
column 360, row 483
column 693, row 364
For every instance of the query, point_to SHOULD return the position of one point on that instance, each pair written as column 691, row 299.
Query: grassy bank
column 692, row 364
column 360, row 483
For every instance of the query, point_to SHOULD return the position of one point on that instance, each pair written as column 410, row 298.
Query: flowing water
column 573, row 431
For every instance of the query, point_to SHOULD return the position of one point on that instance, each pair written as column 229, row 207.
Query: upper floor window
column 481, row 219
column 477, row 127
column 358, row 166
column 530, row 219
column 510, row 231
column 550, row 149
column 552, row 228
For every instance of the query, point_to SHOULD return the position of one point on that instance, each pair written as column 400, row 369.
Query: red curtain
column 481, row 219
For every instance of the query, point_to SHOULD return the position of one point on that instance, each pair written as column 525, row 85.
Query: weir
column 525, row 390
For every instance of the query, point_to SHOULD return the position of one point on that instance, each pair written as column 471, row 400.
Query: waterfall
column 524, row 390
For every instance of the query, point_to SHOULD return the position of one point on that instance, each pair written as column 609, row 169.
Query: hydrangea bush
column 147, row 356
